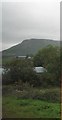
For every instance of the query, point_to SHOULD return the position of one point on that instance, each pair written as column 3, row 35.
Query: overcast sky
column 22, row 20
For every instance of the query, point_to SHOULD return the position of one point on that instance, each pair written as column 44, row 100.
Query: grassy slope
column 30, row 46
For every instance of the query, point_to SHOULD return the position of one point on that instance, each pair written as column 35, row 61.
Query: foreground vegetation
column 28, row 94
column 26, row 91
column 30, row 102
column 28, row 108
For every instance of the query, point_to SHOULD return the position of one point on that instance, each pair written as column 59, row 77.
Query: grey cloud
column 26, row 20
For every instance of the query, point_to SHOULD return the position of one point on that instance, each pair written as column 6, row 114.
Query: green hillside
column 28, row 47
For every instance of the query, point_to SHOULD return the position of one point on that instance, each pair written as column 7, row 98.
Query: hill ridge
column 29, row 46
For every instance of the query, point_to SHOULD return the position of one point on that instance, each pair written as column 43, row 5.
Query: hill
column 29, row 47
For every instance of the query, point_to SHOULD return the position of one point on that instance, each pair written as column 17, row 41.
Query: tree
column 19, row 69
column 49, row 58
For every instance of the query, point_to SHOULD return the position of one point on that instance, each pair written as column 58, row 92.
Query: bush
column 49, row 57
column 19, row 70
column 50, row 95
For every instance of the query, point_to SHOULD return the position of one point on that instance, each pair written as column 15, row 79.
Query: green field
column 28, row 108
column 30, row 103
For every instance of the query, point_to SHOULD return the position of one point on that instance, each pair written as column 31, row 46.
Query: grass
column 6, row 60
column 30, row 102
column 29, row 108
